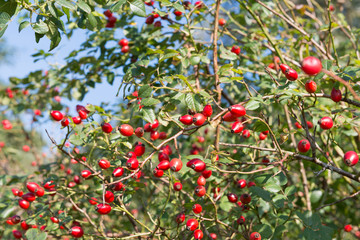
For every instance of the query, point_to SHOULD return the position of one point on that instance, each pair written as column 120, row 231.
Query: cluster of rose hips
column 124, row 43
column 82, row 115
column 6, row 124
column 312, row 66
column 111, row 19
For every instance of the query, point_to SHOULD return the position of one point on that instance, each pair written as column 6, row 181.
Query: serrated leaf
column 66, row 4
column 272, row 187
column 35, row 234
column 83, row 6
column 148, row 114
column 138, row 8
column 145, row 91
column 260, row 126
column 265, row 195
column 290, row 190
column 149, row 101
column 115, row 7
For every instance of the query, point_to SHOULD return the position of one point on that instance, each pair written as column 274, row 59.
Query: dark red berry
column 237, row 127
column 241, row 183
column 232, row 197
column 198, row 234
column 103, row 208
column 241, row 220
column 177, row 186
column 118, row 172
column 228, row 117
column 199, row 119
column 245, row 198
column 255, row 236
column 236, row 49
column 76, row 232
column 176, row 165
column 154, row 135
column 132, row 163
column 207, row 111
column 85, row 173
column 158, row 172
column 200, row 191
column 23, row 203
column 163, row 165
column 106, row 127
column 198, row 166
column 109, row 197
column 139, row 132
column 180, row 218
column 336, row 95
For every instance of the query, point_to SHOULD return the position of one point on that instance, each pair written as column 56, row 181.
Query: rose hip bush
column 237, row 120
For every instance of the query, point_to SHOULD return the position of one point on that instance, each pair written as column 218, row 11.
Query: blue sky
column 23, row 45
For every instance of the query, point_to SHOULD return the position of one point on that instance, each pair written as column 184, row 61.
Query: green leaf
column 40, row 27
column 315, row 196
column 252, row 105
column 272, row 187
column 259, row 126
column 92, row 20
column 148, row 114
column 23, row 25
column 290, row 190
column 145, row 91
column 66, row 4
column 35, row 234
column 116, row 6
column 138, row 8
column 8, row 7
column 265, row 195
column 225, row 204
column 4, row 18
column 83, row 6
column 149, row 101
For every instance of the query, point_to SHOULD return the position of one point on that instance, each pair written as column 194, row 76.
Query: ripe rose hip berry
column 198, row 234
column 237, row 110
column 206, row 173
column 176, row 165
column 228, row 117
column 245, row 198
column 310, row 124
column 139, row 132
column 199, row 119
column 186, row 119
column 298, row 125
column 139, row 149
column 201, row 181
column 284, row 68
column 106, row 127
column 85, row 173
column 109, row 197
column 326, row 123
column 304, row 146
column 241, row 220
column 291, row 74
column 237, row 127
column 32, row 186
column 76, row 232
column 147, row 127
column 262, row 136
column 104, row 163
column 158, row 173
column 351, row 158
column 336, row 95
column 213, row 236
column 222, row 22
column 310, row 86
column 24, row 225
column 17, row 234
column 192, row 224
column 200, row 191
column 236, row 50
column 241, row 183
column 154, row 135
column 82, row 114
column 65, row 122
column 177, row 13
column 163, row 165
column 163, row 157
column 123, row 42
column 76, row 120
column 126, row 130
column 15, row 219
column 311, row 65
column 23, row 204
column 347, row 228
column 132, row 163
column 125, row 49
column 255, row 236
column 103, row 209
column 56, row 115
column 232, row 197
column 180, row 218
column 177, row 186
column 207, row 111
column 162, row 135
column 246, row 133
column 40, row 192
column 198, row 165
